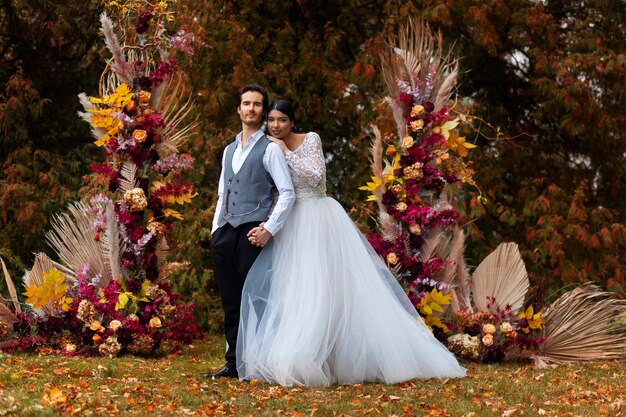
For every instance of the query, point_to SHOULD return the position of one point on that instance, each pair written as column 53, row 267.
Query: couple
column 316, row 305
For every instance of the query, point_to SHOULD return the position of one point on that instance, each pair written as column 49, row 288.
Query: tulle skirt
column 320, row 307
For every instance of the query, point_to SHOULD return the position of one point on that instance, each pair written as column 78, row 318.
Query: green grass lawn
column 50, row 385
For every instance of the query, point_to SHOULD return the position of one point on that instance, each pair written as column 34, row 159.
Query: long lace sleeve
column 308, row 160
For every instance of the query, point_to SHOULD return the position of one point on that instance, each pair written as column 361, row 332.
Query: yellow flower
column 488, row 339
column 432, row 320
column 401, row 206
column 392, row 258
column 50, row 291
column 67, row 303
column 433, row 301
column 407, row 142
column 372, row 186
column 417, row 125
column 533, row 319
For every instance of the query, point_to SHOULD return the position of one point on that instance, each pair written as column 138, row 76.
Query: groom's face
column 251, row 108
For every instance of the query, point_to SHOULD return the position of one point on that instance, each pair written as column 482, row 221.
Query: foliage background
column 550, row 75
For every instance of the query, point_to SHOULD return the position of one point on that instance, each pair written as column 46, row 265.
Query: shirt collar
column 253, row 139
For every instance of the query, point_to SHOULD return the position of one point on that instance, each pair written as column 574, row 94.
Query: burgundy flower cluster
column 414, row 184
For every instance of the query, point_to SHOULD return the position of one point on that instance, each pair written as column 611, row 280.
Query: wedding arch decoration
column 108, row 293
column 485, row 315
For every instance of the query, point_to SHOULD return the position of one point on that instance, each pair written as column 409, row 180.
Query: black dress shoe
column 226, row 371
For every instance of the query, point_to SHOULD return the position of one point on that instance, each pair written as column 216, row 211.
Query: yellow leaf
column 172, row 213
column 122, row 300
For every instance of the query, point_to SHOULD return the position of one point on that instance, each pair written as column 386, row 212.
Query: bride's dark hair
column 284, row 106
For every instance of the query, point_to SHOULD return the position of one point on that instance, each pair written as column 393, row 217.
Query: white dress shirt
column 275, row 164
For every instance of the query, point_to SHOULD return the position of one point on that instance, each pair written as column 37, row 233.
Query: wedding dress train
column 319, row 306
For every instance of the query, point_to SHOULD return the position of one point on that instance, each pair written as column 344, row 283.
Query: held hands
column 259, row 236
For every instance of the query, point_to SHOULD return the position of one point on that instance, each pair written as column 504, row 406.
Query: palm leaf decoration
column 10, row 287
column 501, row 275
column 584, row 325
column 175, row 108
column 73, row 239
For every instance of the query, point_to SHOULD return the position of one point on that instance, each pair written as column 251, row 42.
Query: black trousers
column 233, row 255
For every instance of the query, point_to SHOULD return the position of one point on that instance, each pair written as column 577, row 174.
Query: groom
column 252, row 167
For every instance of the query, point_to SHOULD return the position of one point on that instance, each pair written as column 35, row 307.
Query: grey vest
column 248, row 193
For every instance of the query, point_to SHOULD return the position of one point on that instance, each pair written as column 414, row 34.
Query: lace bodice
column 307, row 168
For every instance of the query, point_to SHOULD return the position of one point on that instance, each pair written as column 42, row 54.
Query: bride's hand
column 279, row 142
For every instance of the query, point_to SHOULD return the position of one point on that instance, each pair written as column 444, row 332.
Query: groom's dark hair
column 258, row 89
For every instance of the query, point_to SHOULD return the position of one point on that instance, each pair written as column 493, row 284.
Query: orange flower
column 155, row 322
column 130, row 106
column 415, row 229
column 96, row 326
column 392, row 258
column 97, row 339
column 140, row 135
column 417, row 110
column 391, row 150
column 144, row 96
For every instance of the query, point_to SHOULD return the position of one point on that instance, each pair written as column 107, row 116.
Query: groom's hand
column 259, row 236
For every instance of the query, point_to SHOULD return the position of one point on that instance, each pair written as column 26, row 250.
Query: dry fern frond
column 72, row 237
column 456, row 273
column 501, row 275
column 416, row 59
column 432, row 240
column 161, row 250
column 128, row 176
column 584, row 325
column 6, row 314
column 118, row 62
column 10, row 287
column 390, row 230
column 376, row 163
column 112, row 246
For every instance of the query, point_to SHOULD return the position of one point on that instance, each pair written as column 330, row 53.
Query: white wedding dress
column 320, row 307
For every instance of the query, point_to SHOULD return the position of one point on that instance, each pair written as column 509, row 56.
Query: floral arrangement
column 496, row 336
column 110, row 292
column 427, row 159
column 486, row 315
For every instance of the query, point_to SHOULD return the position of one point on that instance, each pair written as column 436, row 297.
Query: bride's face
column 279, row 124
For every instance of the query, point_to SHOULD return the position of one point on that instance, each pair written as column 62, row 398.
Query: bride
column 319, row 306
